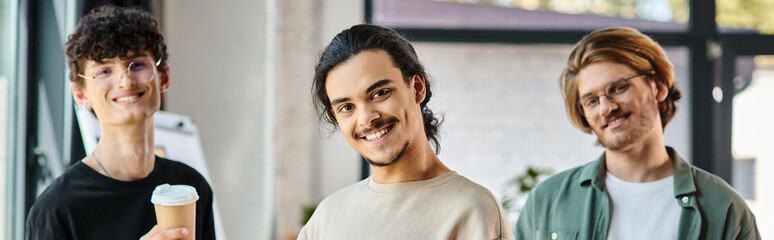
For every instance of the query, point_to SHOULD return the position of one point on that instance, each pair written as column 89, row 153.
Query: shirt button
column 685, row 200
column 554, row 235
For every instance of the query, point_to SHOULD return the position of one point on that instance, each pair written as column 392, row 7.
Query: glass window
column 7, row 102
column 646, row 15
column 503, row 111
column 751, row 143
column 745, row 16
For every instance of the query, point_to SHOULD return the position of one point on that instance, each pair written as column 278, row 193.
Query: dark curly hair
column 109, row 31
column 364, row 37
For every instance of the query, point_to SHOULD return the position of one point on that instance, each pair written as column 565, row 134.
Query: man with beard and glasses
column 619, row 84
column 370, row 84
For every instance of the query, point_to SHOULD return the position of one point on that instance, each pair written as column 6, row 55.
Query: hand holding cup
column 175, row 208
column 157, row 234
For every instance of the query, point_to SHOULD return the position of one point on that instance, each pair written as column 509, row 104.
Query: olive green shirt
column 574, row 205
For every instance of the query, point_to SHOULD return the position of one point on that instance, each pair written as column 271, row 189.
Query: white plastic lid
column 174, row 195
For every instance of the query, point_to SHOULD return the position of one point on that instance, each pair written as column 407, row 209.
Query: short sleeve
column 43, row 225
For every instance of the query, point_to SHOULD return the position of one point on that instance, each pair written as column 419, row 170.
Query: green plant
column 518, row 188
column 307, row 212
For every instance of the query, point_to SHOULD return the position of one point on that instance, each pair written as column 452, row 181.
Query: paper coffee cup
column 176, row 207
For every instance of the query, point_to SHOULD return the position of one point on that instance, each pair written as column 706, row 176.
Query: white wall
column 217, row 63
column 503, row 110
column 242, row 70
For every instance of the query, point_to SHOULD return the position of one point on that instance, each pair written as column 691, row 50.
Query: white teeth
column 614, row 122
column 377, row 135
column 127, row 98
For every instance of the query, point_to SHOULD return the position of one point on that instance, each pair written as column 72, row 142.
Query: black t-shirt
column 84, row 204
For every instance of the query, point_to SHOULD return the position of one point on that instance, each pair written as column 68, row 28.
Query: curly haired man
column 117, row 60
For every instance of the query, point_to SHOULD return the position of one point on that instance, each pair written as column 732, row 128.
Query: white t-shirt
column 646, row 210
column 445, row 207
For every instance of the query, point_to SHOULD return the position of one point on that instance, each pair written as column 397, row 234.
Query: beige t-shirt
column 445, row 207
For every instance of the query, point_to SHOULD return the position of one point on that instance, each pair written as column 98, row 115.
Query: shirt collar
column 684, row 183
column 594, row 173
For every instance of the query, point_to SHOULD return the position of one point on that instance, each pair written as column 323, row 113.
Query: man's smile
column 379, row 134
column 616, row 120
column 381, row 130
column 127, row 98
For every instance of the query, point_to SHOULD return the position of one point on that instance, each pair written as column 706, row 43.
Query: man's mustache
column 616, row 113
column 376, row 125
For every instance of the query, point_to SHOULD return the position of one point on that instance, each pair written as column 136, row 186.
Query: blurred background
column 239, row 107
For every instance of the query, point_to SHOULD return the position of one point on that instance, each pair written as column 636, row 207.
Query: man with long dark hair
column 369, row 83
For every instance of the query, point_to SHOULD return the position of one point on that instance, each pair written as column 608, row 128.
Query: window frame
column 710, row 121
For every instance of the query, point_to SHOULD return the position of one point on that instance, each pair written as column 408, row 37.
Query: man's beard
column 635, row 132
column 394, row 160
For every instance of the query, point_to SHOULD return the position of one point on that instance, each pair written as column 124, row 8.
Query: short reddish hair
column 625, row 46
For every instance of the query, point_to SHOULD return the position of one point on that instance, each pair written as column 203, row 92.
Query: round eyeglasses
column 615, row 92
column 140, row 70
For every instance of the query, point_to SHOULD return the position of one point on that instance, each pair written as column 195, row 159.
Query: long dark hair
column 358, row 38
